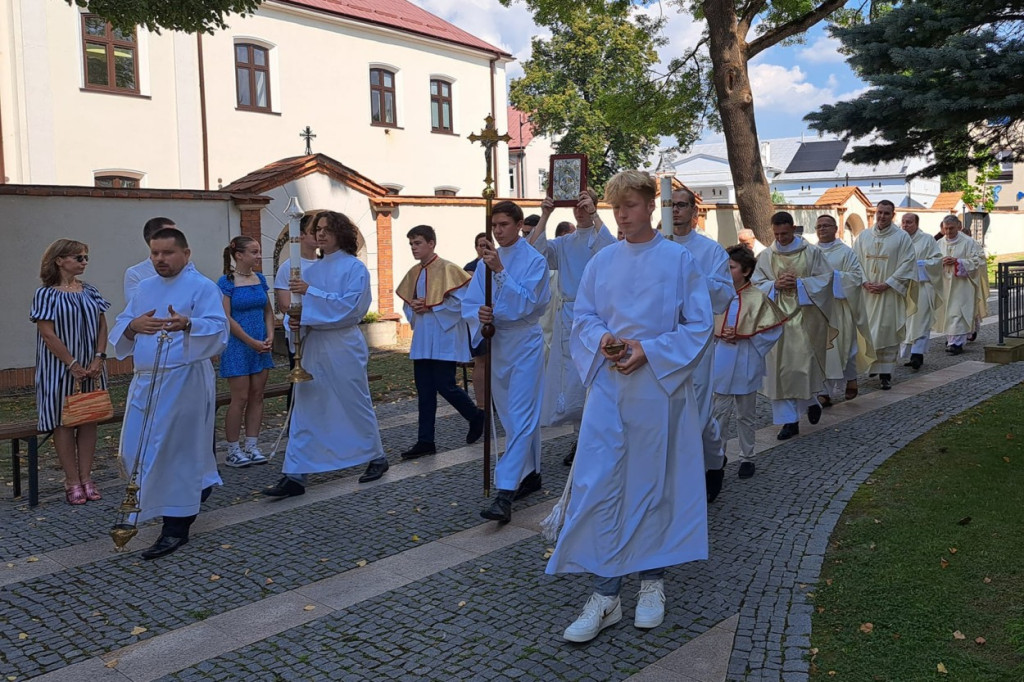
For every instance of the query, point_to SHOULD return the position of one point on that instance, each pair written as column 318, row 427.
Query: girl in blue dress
column 247, row 360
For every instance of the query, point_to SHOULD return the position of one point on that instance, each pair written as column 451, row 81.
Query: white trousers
column 745, row 407
column 788, row 410
column 885, row 360
column 920, row 346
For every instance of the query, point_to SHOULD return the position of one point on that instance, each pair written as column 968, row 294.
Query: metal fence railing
column 1010, row 284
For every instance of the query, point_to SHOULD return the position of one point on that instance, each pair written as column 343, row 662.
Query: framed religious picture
column 567, row 178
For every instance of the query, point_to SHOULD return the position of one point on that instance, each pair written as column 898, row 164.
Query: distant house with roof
column 528, row 157
column 385, row 86
column 801, row 170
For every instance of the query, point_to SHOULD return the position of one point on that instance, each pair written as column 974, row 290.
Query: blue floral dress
column 247, row 305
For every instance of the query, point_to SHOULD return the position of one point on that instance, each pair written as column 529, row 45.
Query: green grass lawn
column 395, row 383
column 928, row 557
column 1002, row 258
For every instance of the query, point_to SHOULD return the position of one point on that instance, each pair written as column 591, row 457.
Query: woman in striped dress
column 70, row 348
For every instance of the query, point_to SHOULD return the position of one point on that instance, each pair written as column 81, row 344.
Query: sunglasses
column 680, row 205
column 81, row 258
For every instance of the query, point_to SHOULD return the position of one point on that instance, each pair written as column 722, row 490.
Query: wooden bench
column 28, row 433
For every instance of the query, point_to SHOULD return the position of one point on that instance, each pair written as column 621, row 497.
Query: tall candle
column 666, row 204
column 294, row 213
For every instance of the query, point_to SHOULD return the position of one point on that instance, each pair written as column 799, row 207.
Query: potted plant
column 378, row 332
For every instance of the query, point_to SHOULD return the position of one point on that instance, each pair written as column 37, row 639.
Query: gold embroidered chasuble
column 960, row 289
column 796, row 364
column 888, row 256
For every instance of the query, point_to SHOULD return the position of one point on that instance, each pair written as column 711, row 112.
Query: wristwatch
column 101, row 356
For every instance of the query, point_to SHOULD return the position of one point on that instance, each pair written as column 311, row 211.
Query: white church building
column 386, row 87
column 803, row 169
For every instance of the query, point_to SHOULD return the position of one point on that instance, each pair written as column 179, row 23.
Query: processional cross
column 489, row 138
column 308, row 136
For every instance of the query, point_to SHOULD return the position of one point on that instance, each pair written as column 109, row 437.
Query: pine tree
column 947, row 79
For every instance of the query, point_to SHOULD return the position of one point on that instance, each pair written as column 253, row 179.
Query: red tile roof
column 947, row 201
column 523, row 138
column 286, row 170
column 401, row 15
column 837, row 196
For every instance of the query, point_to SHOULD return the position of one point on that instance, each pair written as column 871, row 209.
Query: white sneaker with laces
column 237, row 460
column 599, row 613
column 650, row 604
column 255, row 456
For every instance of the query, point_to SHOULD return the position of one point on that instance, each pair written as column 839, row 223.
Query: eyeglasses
column 680, row 205
column 81, row 258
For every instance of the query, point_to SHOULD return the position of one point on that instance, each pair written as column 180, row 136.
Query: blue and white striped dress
column 76, row 320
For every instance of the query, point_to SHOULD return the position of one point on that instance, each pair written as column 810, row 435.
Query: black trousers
column 433, row 377
column 177, row 526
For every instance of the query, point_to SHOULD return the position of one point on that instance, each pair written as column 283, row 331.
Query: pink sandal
column 75, row 494
column 92, row 493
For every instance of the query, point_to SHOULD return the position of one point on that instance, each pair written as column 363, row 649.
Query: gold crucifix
column 489, row 138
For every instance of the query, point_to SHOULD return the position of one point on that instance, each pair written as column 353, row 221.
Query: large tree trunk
column 728, row 49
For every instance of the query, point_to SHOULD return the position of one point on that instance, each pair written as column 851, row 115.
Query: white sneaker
column 599, row 613
column 255, row 456
column 237, row 460
column 650, row 604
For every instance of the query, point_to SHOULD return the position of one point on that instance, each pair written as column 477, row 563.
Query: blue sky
column 788, row 82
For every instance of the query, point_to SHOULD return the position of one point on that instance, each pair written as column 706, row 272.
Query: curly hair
column 343, row 229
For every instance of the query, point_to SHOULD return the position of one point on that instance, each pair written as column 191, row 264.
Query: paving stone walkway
column 401, row 579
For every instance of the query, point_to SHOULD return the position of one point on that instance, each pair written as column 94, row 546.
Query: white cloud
column 509, row 28
column 778, row 86
column 824, row 50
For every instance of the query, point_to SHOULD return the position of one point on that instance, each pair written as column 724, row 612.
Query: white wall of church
column 112, row 228
column 57, row 132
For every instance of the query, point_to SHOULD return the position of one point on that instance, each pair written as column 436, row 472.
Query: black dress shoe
column 916, row 360
column 713, row 479
column 814, row 413
column 163, row 546
column 285, row 487
column 419, row 450
column 956, row 349
column 746, row 469
column 789, row 430
column 528, row 485
column 885, row 381
column 825, row 401
column 476, row 428
column 568, row 459
column 501, row 508
column 374, row 470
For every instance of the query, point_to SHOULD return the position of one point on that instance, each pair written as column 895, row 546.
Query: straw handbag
column 86, row 408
